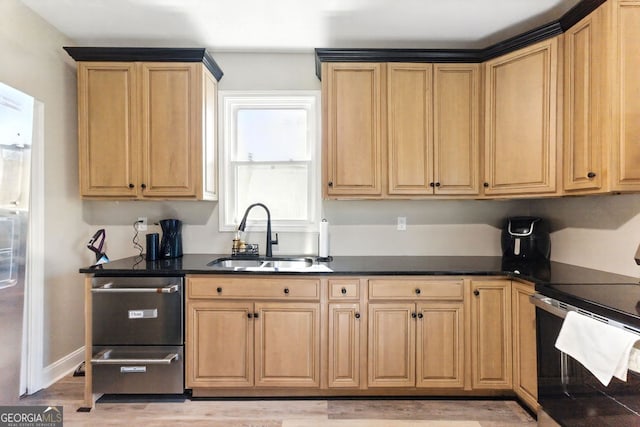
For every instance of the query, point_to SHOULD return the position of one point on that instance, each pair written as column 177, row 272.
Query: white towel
column 602, row 349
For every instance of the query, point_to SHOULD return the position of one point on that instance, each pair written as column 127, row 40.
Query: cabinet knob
column 357, row 315
column 414, row 315
column 249, row 315
column 131, row 185
column 255, row 315
column 143, row 186
column 218, row 290
column 437, row 184
column 486, row 184
column 591, row 175
column 418, row 291
column 431, row 184
column 286, row 290
column 420, row 315
column 476, row 292
column 343, row 291
column 330, row 183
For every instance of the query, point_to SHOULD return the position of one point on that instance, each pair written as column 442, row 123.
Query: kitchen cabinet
column 601, row 130
column 353, row 129
column 235, row 332
column 346, row 336
column 521, row 98
column 147, row 130
column 433, row 128
column 491, row 357
column 525, row 368
column 416, row 344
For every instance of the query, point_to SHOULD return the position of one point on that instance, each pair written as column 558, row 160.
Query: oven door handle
column 172, row 289
column 102, row 358
column 541, row 302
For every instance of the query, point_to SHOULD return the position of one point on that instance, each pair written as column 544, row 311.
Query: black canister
column 153, row 246
column 171, row 242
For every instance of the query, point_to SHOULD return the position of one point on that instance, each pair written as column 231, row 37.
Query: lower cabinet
column 344, row 345
column 491, row 361
column 525, row 372
column 241, row 343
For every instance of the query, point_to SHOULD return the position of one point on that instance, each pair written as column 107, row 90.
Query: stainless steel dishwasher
column 137, row 335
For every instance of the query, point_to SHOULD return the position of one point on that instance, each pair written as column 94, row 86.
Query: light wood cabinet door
column 353, row 128
column 491, row 334
column 170, row 118
column 440, row 345
column 219, row 344
column 108, row 129
column 287, row 344
column 456, row 129
column 344, row 345
column 626, row 102
column 525, row 368
column 585, row 112
column 410, row 128
column 520, row 120
column 392, row 345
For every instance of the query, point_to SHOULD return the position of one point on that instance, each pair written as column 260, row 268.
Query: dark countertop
column 611, row 295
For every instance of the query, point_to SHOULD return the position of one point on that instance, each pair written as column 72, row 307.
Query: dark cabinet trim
column 151, row 54
column 552, row 29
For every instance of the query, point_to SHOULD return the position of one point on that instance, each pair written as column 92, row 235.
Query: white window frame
column 229, row 104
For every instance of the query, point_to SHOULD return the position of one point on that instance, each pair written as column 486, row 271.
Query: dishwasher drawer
column 137, row 311
column 138, row 370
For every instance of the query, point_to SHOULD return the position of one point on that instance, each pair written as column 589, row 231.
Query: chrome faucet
column 270, row 241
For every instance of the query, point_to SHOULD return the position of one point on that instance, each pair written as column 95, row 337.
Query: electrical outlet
column 402, row 223
column 142, row 223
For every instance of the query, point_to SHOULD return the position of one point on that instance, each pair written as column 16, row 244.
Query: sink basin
column 304, row 264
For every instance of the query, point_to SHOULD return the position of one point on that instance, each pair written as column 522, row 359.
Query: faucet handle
column 274, row 241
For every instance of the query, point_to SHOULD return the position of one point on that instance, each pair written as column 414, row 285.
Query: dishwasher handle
column 108, row 288
column 103, row 358
column 544, row 303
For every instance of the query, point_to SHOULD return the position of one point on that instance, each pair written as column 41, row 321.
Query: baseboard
column 61, row 368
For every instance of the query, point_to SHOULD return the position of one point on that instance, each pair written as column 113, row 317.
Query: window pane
column 271, row 135
column 283, row 188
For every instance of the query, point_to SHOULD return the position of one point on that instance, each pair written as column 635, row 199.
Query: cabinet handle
column 249, row 315
column 486, row 184
column 437, row 184
column 420, row 315
column 591, row 175
column 143, row 186
column 418, row 291
column 330, row 183
column 414, row 315
column 255, row 315
column 219, row 290
column 286, row 290
column 131, row 185
column 343, row 291
column 357, row 315
column 431, row 184
column 476, row 292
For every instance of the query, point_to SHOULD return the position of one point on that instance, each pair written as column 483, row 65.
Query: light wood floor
column 282, row 413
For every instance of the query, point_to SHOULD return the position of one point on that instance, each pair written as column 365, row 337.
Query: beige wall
column 33, row 61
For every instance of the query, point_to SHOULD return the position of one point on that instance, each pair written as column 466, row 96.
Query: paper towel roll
column 323, row 239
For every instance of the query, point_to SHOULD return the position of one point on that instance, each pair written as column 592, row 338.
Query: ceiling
column 296, row 25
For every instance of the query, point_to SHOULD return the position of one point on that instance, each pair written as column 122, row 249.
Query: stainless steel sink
column 303, row 264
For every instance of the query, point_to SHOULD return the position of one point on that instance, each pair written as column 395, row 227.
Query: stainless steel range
column 138, row 335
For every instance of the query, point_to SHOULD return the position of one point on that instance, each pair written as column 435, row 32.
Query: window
column 270, row 155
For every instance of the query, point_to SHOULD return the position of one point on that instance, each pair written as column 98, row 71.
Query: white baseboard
column 61, row 368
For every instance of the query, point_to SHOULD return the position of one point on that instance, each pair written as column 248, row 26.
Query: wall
column 33, row 61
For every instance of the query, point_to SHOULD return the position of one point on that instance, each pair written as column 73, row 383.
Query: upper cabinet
column 602, row 153
column 521, row 121
column 147, row 130
column 401, row 130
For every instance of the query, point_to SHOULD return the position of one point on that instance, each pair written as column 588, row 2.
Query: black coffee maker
column 525, row 237
column 171, row 242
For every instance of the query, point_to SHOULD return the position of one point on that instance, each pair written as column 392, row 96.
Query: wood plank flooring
column 282, row 413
